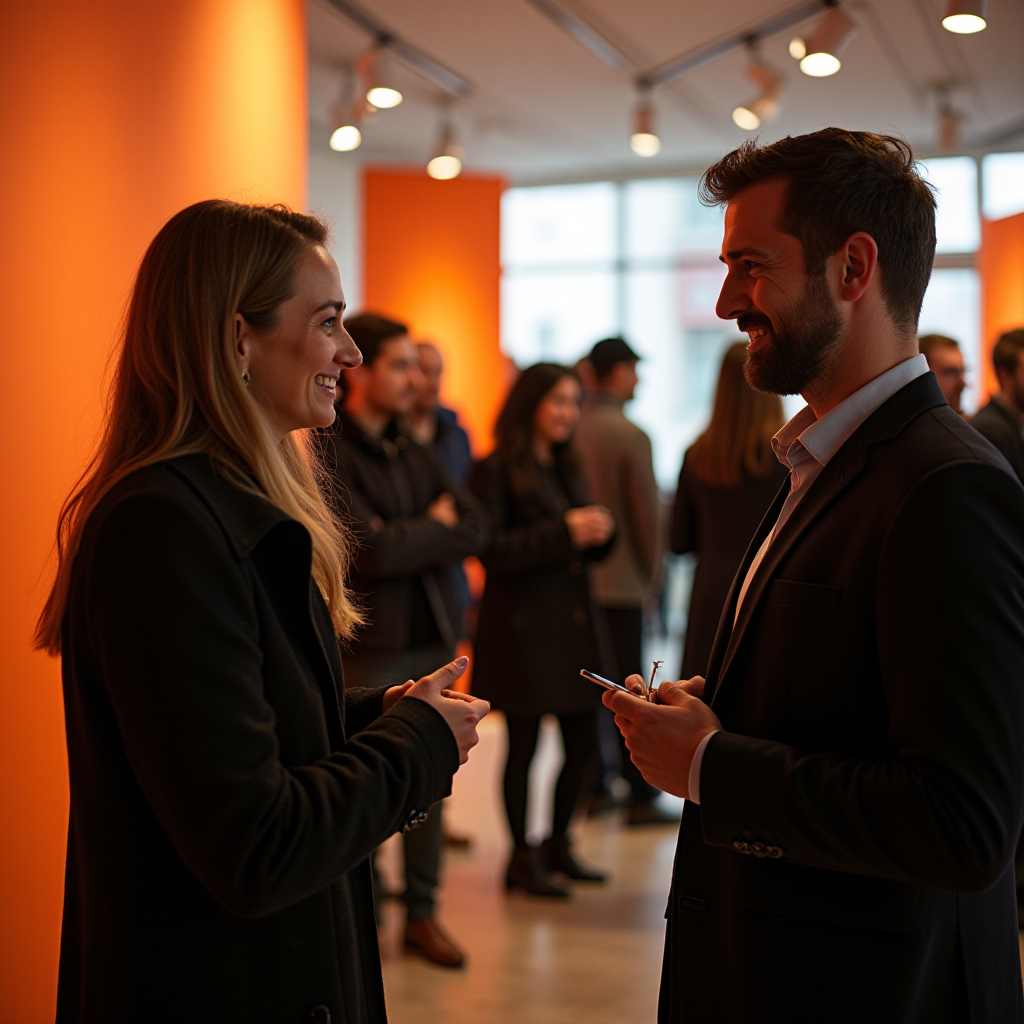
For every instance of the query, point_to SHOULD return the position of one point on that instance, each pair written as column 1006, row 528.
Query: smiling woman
column 226, row 789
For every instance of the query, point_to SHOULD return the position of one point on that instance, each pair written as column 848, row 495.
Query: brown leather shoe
column 425, row 939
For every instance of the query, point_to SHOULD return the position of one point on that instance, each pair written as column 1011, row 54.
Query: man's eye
column 329, row 322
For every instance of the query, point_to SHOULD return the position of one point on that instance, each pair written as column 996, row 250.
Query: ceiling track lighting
column 820, row 54
column 951, row 125
column 765, row 106
column 644, row 142
column 375, row 70
column 965, row 17
column 347, row 118
column 446, row 163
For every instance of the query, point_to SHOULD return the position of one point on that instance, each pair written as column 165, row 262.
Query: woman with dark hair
column 537, row 621
column 729, row 477
column 226, row 788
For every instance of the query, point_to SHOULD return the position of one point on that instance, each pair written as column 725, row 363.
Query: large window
column 640, row 258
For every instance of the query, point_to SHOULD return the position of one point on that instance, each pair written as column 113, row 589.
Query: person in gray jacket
column 620, row 473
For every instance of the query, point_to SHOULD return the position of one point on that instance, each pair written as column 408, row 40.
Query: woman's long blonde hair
column 738, row 440
column 177, row 388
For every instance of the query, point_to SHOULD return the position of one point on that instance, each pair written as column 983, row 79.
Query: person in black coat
column 729, row 477
column 1001, row 421
column 226, row 788
column 537, row 625
column 853, row 764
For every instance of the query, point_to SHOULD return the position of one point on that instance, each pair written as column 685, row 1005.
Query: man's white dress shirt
column 805, row 444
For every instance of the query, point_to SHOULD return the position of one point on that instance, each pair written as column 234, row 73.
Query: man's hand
column 443, row 510
column 662, row 738
column 393, row 694
column 460, row 710
column 589, row 526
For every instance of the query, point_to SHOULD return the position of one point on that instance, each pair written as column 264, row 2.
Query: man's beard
column 802, row 339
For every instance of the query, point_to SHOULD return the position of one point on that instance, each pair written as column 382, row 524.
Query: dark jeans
column 421, row 846
column 626, row 631
column 579, row 737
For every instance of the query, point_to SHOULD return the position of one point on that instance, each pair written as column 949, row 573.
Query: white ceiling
column 543, row 108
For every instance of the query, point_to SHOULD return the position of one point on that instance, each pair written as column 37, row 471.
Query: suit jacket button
column 415, row 819
column 580, row 618
column 741, row 847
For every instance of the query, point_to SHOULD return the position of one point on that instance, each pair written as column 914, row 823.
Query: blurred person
column 537, row 620
column 438, row 428
column 434, row 426
column 729, row 477
column 946, row 361
column 227, row 786
column 413, row 524
column 1001, row 421
column 853, row 764
column 620, row 474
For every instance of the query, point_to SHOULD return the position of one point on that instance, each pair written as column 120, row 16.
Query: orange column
column 113, row 114
column 1001, row 267
column 432, row 260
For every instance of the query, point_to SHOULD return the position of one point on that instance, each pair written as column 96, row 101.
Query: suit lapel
column 845, row 466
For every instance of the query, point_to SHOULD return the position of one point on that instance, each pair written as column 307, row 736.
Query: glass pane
column 558, row 224
column 1002, row 184
column 957, row 226
column 664, row 218
column 952, row 307
column 670, row 321
column 556, row 316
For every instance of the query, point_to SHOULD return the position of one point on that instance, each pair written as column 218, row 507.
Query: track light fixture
column 643, row 141
column 951, row 124
column 446, row 163
column 965, row 16
column 348, row 117
column 765, row 106
column 820, row 53
column 375, row 70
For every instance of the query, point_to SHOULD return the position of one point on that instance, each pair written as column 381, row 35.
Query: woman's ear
column 243, row 342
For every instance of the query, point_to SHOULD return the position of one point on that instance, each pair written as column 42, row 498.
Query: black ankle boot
column 526, row 873
column 558, row 856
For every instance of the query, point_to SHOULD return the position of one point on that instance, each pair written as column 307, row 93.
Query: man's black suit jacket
column 851, row 856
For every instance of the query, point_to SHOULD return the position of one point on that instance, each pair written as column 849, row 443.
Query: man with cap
column 620, row 472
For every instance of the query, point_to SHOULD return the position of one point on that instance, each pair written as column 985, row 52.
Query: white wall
column 335, row 195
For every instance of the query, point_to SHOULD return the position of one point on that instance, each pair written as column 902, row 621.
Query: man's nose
column 732, row 299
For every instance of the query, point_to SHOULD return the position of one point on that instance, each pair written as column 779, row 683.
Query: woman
column 536, row 628
column 729, row 477
column 226, row 790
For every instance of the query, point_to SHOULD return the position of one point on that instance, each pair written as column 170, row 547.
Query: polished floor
column 596, row 958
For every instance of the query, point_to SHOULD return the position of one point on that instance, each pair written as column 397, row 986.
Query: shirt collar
column 805, row 436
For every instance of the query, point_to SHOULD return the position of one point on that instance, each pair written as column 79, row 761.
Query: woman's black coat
column 538, row 625
column 225, row 789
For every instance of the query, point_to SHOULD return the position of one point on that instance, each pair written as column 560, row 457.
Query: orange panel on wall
column 1001, row 266
column 432, row 260
column 115, row 114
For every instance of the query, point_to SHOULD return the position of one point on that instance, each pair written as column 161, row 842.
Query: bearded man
column 854, row 764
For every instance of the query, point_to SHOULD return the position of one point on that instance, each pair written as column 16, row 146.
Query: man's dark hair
column 607, row 354
column 1006, row 351
column 841, row 182
column 370, row 331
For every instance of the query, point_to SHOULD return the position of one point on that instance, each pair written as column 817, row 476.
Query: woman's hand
column 393, row 694
column 459, row 710
column 589, row 526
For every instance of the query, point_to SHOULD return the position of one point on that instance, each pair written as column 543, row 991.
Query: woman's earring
column 245, row 377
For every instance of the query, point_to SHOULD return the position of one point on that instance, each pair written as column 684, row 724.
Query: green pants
column 421, row 846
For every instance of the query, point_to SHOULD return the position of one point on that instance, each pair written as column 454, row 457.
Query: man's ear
column 859, row 256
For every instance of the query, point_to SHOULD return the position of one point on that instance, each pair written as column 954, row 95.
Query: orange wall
column 1001, row 265
column 431, row 259
column 113, row 115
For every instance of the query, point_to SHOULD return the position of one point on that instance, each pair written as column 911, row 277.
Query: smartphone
column 606, row 683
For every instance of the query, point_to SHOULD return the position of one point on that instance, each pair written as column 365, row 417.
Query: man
column 434, row 426
column 413, row 525
column 946, row 361
column 620, row 473
column 1002, row 420
column 854, row 773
